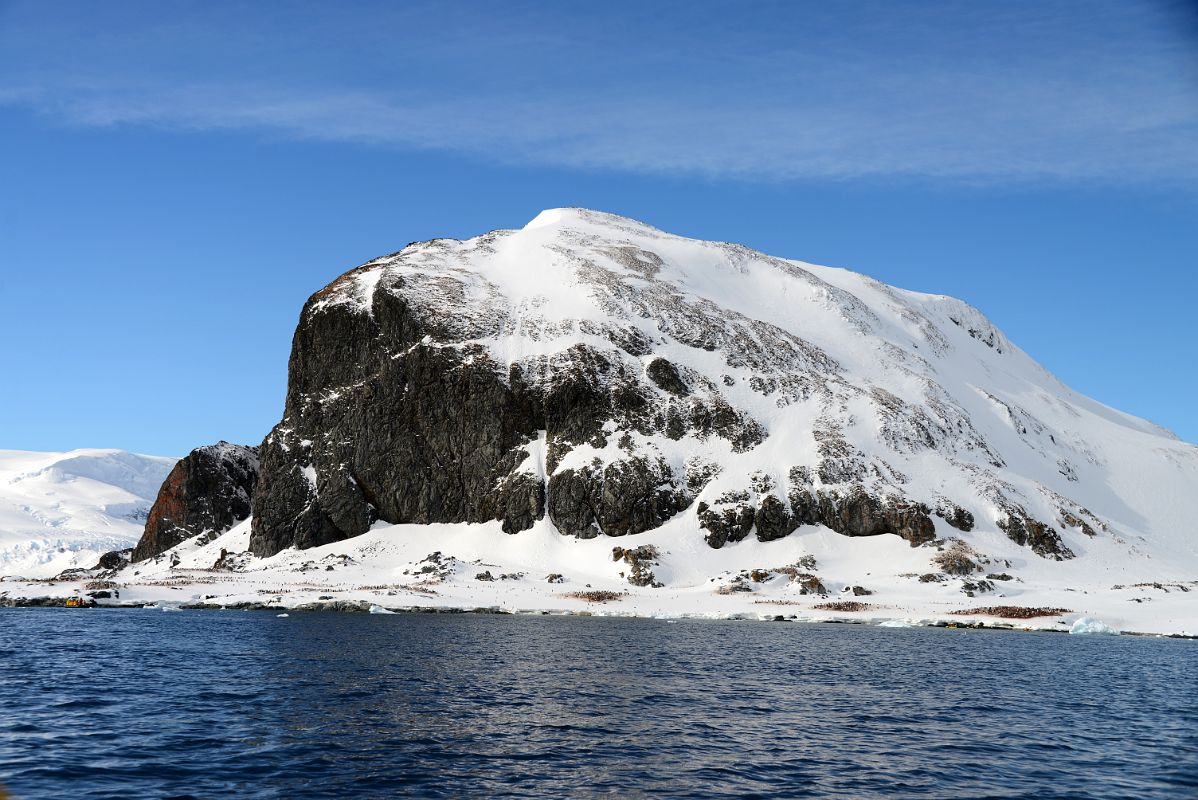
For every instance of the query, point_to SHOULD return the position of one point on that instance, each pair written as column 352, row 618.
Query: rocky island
column 590, row 413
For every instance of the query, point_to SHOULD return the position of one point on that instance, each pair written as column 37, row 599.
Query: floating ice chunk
column 162, row 605
column 281, row 616
column 1091, row 626
column 380, row 610
column 895, row 623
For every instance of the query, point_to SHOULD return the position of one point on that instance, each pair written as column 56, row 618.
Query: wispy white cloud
column 744, row 105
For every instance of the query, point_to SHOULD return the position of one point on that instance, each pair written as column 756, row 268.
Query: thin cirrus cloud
column 1008, row 97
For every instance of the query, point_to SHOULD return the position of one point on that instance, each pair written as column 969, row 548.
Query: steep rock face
column 614, row 378
column 209, row 491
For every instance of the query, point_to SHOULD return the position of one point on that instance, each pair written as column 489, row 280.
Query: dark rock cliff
column 383, row 421
column 209, row 491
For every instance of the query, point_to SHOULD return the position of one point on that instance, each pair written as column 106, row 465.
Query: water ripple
column 100, row 705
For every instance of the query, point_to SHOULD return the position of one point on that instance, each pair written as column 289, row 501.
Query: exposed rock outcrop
column 954, row 515
column 113, row 560
column 641, row 560
column 1041, row 538
column 207, row 492
column 856, row 512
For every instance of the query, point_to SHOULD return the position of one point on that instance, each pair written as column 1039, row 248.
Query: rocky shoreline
column 365, row 607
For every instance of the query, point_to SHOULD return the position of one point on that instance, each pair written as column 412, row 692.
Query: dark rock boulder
column 114, row 560
column 665, row 375
column 570, row 504
column 520, row 501
column 642, row 560
column 859, row 512
column 209, row 491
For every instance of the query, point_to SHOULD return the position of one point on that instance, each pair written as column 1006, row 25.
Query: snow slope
column 61, row 510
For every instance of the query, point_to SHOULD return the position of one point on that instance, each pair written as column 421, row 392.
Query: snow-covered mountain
column 616, row 378
column 62, row 510
column 589, row 407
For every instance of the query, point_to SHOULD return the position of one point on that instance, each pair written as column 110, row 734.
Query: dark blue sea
column 225, row 704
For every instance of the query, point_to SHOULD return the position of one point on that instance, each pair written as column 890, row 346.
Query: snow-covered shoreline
column 479, row 568
column 1060, row 624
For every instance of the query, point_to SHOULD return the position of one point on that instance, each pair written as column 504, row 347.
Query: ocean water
column 215, row 704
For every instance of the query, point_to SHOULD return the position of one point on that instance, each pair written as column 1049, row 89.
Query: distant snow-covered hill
column 61, row 510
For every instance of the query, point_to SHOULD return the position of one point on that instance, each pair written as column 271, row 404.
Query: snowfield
column 411, row 567
column 64, row 510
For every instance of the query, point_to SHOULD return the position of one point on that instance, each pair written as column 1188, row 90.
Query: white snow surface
column 921, row 386
column 63, row 510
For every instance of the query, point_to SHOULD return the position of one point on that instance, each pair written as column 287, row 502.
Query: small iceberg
column 380, row 610
column 1088, row 626
column 282, row 616
column 895, row 623
column 162, row 605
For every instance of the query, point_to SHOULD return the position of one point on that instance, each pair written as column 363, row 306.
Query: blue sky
column 175, row 179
